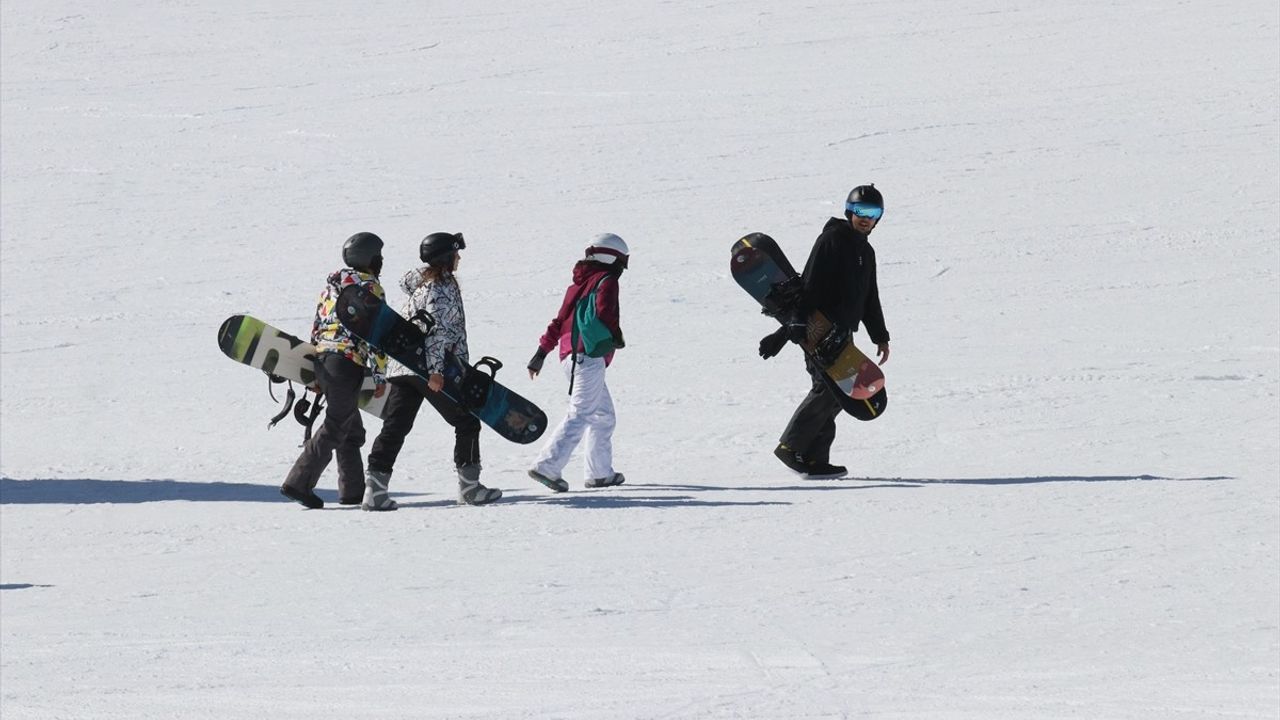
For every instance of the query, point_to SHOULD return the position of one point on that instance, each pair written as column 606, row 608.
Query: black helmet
column 440, row 246
column 363, row 251
column 864, row 195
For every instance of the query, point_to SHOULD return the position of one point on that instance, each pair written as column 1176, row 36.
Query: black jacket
column 840, row 280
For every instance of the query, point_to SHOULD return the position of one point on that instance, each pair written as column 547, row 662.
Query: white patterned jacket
column 442, row 299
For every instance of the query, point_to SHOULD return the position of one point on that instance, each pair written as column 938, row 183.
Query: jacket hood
column 586, row 271
column 346, row 276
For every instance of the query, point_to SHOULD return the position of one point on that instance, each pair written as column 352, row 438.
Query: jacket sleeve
column 377, row 360
column 436, row 302
column 607, row 305
column 551, row 338
column 820, row 284
column 873, row 316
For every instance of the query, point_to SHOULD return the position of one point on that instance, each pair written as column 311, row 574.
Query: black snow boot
column 308, row 498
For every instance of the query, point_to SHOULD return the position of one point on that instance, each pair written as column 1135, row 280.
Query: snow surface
column 1070, row 510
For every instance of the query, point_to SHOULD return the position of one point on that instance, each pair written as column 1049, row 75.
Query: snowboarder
column 340, row 366
column 433, row 289
column 840, row 281
column 585, row 352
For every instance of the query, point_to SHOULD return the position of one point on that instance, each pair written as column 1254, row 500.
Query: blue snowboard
column 508, row 413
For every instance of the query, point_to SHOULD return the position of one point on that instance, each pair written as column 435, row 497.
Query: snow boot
column 377, row 498
column 614, row 479
column 792, row 459
column 556, row 484
column 470, row 491
column 308, row 498
column 825, row 471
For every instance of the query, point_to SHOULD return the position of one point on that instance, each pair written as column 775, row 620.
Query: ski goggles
column 864, row 210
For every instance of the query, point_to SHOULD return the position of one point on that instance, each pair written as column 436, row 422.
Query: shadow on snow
column 88, row 492
column 867, row 483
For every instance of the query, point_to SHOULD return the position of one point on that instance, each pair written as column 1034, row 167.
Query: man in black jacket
column 840, row 281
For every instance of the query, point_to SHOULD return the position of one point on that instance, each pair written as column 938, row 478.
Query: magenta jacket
column 560, row 330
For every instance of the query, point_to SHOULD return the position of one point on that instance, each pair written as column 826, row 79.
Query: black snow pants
column 812, row 429
column 342, row 432
column 407, row 394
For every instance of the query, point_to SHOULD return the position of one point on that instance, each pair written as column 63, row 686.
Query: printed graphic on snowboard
column 252, row 342
column 761, row 268
column 473, row 387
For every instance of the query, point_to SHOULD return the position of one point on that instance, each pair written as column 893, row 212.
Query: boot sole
column 558, row 485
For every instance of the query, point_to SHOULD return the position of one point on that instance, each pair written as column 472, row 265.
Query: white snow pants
column 591, row 413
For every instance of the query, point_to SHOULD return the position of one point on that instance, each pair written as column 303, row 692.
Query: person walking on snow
column 341, row 362
column 433, row 289
column 840, row 281
column 590, row 410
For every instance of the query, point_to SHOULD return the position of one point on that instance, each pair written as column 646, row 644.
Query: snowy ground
column 1070, row 510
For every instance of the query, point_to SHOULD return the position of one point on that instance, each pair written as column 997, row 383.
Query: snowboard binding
column 782, row 298
column 474, row 390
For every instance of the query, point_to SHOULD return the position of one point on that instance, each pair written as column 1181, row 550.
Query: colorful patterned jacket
column 328, row 335
column 442, row 299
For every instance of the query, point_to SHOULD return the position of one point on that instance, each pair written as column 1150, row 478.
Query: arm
column 873, row 318
column 608, row 310
column 377, row 360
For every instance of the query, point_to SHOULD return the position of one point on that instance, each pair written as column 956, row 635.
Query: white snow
column 1071, row 508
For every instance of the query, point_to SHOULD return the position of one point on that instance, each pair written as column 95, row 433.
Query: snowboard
column 252, row 342
column 762, row 269
column 471, row 386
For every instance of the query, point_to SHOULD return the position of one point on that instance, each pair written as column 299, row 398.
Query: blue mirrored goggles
column 864, row 210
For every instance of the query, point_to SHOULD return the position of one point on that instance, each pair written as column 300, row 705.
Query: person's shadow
column 91, row 491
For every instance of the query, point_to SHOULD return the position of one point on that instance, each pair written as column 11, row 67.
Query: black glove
column 796, row 329
column 619, row 342
column 831, row 345
column 536, row 363
column 773, row 343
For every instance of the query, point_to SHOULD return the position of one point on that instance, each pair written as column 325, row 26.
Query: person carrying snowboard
column 433, row 291
column 341, row 362
column 587, row 332
column 840, row 281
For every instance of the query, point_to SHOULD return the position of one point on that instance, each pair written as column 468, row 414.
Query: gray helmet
column 363, row 251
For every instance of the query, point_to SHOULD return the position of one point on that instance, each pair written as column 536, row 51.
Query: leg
column 555, row 453
column 466, row 429
column 397, row 420
column 340, row 380
column 812, row 428
column 466, row 450
column 601, row 421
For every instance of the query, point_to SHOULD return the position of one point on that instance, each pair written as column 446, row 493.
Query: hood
column 586, row 271
column 347, row 276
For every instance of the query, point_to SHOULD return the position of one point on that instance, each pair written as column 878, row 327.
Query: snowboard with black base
column 472, row 386
column 763, row 270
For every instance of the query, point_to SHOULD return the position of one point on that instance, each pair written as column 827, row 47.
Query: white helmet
column 608, row 249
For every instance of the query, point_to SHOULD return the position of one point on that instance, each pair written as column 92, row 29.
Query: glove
column 796, row 329
column 773, row 343
column 618, row 341
column 535, row 364
column 830, row 346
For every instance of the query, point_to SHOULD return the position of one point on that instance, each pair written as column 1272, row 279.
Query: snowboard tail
column 282, row 356
column 509, row 414
column 761, row 268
